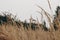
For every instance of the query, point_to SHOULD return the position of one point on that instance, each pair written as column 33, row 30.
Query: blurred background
column 24, row 9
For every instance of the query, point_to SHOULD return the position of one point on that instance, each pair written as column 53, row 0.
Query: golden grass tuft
column 11, row 29
column 14, row 30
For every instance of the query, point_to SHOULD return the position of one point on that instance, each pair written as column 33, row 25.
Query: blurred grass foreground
column 12, row 29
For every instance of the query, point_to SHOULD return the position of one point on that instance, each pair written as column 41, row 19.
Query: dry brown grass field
column 11, row 29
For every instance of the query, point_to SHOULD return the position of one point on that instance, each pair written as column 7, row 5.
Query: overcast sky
column 25, row 8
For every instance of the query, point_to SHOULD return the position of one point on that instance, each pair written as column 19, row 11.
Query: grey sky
column 25, row 8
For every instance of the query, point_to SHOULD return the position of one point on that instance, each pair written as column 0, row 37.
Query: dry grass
column 9, row 32
column 48, row 16
column 14, row 30
column 49, row 4
column 11, row 29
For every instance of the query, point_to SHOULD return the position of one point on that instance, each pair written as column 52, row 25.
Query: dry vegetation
column 11, row 29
